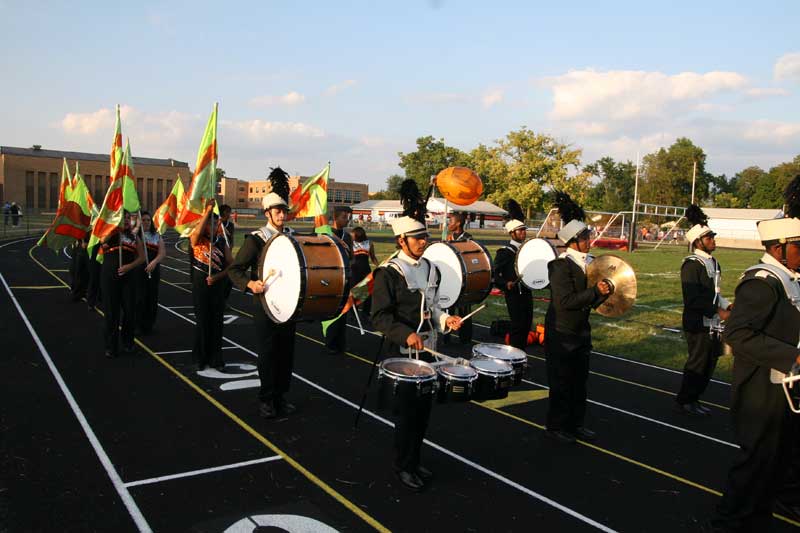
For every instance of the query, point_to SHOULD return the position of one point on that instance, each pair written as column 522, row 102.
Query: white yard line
column 202, row 471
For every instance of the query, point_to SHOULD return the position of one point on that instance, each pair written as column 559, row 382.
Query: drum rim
column 521, row 358
column 497, row 373
column 382, row 370
column 516, row 261
column 448, row 376
column 463, row 265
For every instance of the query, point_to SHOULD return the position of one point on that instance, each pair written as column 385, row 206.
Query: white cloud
column 629, row 94
column 289, row 99
column 772, row 131
column 339, row 87
column 492, row 97
column 257, row 129
column 788, row 67
column 591, row 128
column 766, row 92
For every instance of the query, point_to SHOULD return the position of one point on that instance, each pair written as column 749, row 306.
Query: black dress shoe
column 283, row 407
column 129, row 349
column 425, row 474
column 266, row 410
column 410, row 480
column 585, row 434
column 110, row 354
column 702, row 408
column 689, row 409
column 560, row 436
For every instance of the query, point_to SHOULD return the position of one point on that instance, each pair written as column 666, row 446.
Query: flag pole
column 144, row 243
column 214, row 196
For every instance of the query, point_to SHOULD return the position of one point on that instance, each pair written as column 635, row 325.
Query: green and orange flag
column 51, row 238
column 311, row 200
column 111, row 214
column 115, row 159
column 130, row 198
column 167, row 213
column 203, row 186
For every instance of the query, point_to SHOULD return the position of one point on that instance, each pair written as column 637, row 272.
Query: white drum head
column 532, row 260
column 502, row 352
column 452, row 277
column 282, row 292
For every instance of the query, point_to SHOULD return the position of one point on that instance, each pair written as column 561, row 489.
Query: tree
column 667, row 176
column 524, row 165
column 614, row 191
column 430, row 157
column 392, row 191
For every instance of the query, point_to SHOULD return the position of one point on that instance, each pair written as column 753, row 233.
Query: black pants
column 567, row 371
column 79, row 272
column 766, row 432
column 275, row 355
column 119, row 304
column 703, row 354
column 148, row 298
column 336, row 336
column 412, row 417
column 93, row 290
column 209, row 308
column 520, row 310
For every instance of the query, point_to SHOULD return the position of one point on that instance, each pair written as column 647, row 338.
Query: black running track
column 144, row 442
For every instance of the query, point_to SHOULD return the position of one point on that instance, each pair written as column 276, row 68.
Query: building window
column 348, row 196
column 29, row 189
column 41, row 201
column 168, row 183
column 54, row 187
column 357, row 196
column 149, row 191
column 140, row 188
column 159, row 193
column 99, row 190
column 337, row 196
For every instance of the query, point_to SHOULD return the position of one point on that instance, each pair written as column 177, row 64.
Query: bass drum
column 305, row 277
column 466, row 272
column 531, row 263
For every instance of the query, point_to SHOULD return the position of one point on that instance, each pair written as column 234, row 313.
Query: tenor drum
column 531, row 263
column 494, row 379
column 405, row 380
column 456, row 383
column 504, row 353
column 305, row 277
column 466, row 270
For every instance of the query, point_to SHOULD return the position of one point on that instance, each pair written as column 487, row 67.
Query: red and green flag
column 50, row 238
column 115, row 159
column 311, row 200
column 167, row 213
column 130, row 198
column 203, row 186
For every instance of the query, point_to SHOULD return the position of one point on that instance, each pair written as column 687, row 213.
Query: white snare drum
column 502, row 352
column 531, row 263
column 466, row 272
column 494, row 379
column 305, row 277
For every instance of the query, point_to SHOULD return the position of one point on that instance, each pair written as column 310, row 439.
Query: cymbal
column 612, row 268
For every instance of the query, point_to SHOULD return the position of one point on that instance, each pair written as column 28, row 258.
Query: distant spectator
column 235, row 217
column 227, row 223
column 6, row 213
column 16, row 213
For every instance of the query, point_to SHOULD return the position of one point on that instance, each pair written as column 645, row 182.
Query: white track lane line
column 619, row 410
column 126, row 497
column 202, row 471
column 495, row 475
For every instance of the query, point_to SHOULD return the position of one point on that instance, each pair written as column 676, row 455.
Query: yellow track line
column 258, row 436
column 30, row 254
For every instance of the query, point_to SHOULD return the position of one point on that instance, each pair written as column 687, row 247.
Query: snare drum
column 531, row 263
column 494, row 379
column 466, row 270
column 404, row 380
column 507, row 354
column 305, row 277
column 456, row 383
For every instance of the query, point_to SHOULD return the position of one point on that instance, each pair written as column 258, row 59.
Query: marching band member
column 404, row 309
column 519, row 300
column 208, row 290
column 457, row 233
column 763, row 329
column 119, row 285
column 363, row 254
column 336, row 335
column 276, row 341
column 568, row 342
column 150, row 275
column 79, row 268
column 703, row 308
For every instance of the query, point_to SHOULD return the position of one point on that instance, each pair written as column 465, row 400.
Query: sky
column 354, row 83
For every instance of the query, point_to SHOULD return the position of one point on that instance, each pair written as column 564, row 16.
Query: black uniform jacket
column 463, row 236
column 571, row 300
column 698, row 295
column 505, row 269
column 395, row 308
column 244, row 268
column 763, row 331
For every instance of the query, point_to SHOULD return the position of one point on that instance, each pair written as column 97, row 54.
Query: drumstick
column 463, row 318
column 440, row 355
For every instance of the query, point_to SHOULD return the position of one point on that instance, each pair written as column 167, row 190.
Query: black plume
column 695, row 215
column 280, row 183
column 792, row 198
column 515, row 211
column 568, row 210
column 414, row 204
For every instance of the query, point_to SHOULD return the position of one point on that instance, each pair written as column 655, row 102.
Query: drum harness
column 515, row 250
column 427, row 299
column 714, row 324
